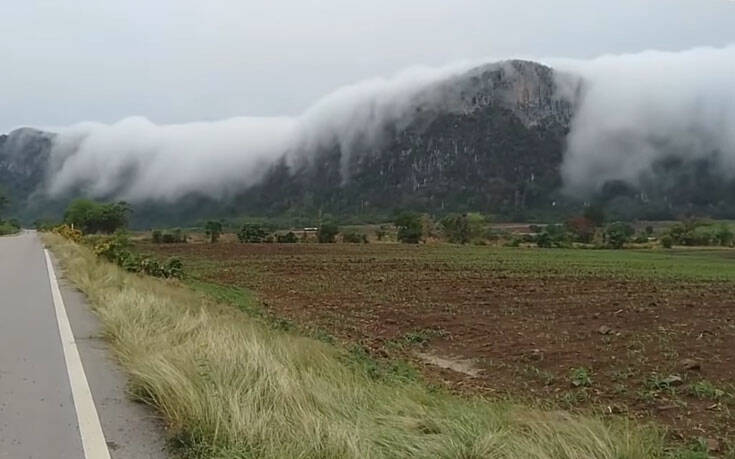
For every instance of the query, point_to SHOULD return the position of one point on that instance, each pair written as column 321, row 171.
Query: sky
column 176, row 61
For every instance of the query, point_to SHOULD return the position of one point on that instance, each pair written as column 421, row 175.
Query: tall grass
column 228, row 386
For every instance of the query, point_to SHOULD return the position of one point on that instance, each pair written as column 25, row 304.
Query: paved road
column 39, row 411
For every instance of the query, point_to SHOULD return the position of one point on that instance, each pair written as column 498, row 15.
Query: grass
column 229, row 386
column 714, row 264
column 6, row 229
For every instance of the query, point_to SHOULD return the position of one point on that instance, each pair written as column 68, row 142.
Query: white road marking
column 93, row 440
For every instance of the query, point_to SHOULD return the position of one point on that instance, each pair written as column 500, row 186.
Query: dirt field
column 649, row 335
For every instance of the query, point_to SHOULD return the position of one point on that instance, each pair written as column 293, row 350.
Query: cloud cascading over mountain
column 637, row 109
column 136, row 159
column 632, row 111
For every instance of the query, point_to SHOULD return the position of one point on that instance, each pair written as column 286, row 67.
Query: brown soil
column 504, row 334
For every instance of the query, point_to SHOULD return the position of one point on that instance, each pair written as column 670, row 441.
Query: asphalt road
column 53, row 404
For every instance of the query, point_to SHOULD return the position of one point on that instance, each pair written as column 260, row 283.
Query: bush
column 327, row 233
column 354, row 237
column 617, row 234
column 251, row 233
column 117, row 250
column 165, row 237
column 288, row 238
column 68, row 232
column 553, row 236
column 543, row 241
column 410, row 228
column 461, row 229
column 667, row 241
column 9, row 227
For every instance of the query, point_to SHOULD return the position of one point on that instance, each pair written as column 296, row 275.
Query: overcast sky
column 183, row 60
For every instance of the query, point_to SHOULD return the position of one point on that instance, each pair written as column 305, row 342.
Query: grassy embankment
column 229, row 386
column 7, row 228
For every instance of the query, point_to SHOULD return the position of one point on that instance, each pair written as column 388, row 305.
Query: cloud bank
column 135, row 159
column 633, row 111
column 637, row 109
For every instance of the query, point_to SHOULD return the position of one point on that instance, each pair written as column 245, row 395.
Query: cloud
column 135, row 159
column 633, row 110
column 636, row 109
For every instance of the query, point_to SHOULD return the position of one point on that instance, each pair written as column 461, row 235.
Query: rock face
column 490, row 140
column 24, row 158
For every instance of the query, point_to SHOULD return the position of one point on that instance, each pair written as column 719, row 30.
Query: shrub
column 461, row 229
column 11, row 226
column 354, row 237
column 251, row 233
column 410, row 228
column 617, row 234
column 327, row 233
column 117, row 250
column 543, row 241
column 288, row 238
column 667, row 241
column 165, row 237
column 68, row 232
column 553, row 236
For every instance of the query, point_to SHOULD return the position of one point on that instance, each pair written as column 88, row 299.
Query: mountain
column 494, row 142
column 490, row 140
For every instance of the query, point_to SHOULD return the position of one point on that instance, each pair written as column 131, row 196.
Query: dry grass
column 229, row 386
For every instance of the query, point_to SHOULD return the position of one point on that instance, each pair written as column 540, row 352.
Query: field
column 643, row 334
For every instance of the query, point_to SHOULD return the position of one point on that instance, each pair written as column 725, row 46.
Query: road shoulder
column 132, row 430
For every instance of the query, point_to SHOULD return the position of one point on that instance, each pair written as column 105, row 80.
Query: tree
column 252, row 233
column 582, row 227
column 92, row 217
column 461, row 229
column 617, row 234
column 327, row 232
column 4, row 203
column 213, row 229
column 410, row 228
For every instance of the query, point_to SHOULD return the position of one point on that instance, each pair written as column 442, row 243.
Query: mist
column 632, row 111
column 636, row 109
column 135, row 159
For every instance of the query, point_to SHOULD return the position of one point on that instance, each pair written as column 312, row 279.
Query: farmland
column 643, row 334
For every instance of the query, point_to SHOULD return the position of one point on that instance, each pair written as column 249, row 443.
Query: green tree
column 617, row 234
column 462, row 229
column 92, row 217
column 410, row 228
column 327, row 232
column 723, row 235
column 252, row 233
column 213, row 230
column 4, row 203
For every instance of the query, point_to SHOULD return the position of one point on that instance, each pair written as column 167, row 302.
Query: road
column 61, row 393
